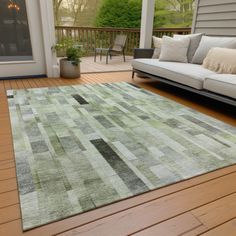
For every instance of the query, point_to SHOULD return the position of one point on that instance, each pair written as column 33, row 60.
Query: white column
column 48, row 28
column 148, row 8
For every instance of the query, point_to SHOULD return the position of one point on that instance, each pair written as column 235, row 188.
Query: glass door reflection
column 15, row 44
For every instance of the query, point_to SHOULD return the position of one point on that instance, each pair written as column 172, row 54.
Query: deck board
column 8, row 185
column 175, row 227
column 8, row 199
column 227, row 229
column 7, row 165
column 217, row 212
column 115, row 64
column 159, row 210
column 201, row 202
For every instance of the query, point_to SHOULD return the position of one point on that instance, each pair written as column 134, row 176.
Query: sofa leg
column 107, row 57
column 95, row 55
column 133, row 72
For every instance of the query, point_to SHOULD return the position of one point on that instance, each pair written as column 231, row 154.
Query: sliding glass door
column 15, row 43
column 21, row 43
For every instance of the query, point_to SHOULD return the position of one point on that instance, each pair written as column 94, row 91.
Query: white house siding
column 215, row 17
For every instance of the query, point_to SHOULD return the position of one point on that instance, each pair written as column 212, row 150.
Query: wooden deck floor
column 116, row 64
column 205, row 205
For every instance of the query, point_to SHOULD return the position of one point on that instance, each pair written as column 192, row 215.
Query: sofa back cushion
column 174, row 49
column 210, row 42
column 157, row 42
column 221, row 60
column 194, row 43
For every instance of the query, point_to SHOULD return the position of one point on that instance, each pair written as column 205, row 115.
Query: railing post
column 148, row 7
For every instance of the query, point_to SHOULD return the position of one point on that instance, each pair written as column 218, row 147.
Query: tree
column 75, row 12
column 173, row 13
column 119, row 13
column 56, row 6
column 76, row 7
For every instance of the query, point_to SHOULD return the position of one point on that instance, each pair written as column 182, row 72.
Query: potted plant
column 69, row 65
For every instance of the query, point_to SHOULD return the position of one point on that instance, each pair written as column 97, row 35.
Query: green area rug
column 81, row 147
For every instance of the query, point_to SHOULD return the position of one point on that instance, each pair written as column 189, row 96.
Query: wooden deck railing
column 92, row 38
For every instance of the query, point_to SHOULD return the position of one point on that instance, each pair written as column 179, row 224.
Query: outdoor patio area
column 191, row 207
column 115, row 64
column 118, row 118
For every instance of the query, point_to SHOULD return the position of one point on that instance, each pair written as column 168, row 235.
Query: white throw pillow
column 157, row 42
column 194, row 43
column 208, row 43
column 221, row 60
column 174, row 49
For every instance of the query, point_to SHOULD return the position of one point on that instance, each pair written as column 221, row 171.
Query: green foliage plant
column 119, row 14
column 127, row 13
column 74, row 51
column 173, row 13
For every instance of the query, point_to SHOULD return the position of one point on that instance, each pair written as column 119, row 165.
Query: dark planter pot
column 68, row 70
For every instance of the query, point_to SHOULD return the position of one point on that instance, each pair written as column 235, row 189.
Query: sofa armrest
column 143, row 53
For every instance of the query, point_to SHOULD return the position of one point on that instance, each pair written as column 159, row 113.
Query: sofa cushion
column 157, row 42
column 174, row 49
column 223, row 84
column 194, row 43
column 211, row 42
column 184, row 73
column 221, row 60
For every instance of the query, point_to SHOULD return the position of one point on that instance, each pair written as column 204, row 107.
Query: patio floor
column 116, row 64
column 204, row 205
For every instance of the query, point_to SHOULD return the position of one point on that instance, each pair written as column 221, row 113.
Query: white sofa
column 188, row 76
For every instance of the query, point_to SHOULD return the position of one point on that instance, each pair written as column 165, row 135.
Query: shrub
column 120, row 14
column 74, row 50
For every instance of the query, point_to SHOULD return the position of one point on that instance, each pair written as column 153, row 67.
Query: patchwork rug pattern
column 81, row 147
